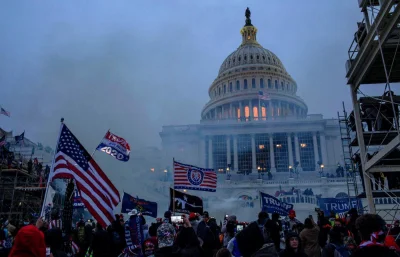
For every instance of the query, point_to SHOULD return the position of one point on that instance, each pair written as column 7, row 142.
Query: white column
column 280, row 108
column 202, row 152
column 231, row 114
column 210, row 154
column 290, row 150
column 316, row 153
column 323, row 148
column 271, row 152
column 260, row 117
column 251, row 116
column 222, row 112
column 297, row 150
column 253, row 154
column 228, row 150
column 270, row 109
column 241, row 111
column 235, row 154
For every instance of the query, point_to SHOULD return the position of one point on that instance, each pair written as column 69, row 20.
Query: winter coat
column 310, row 241
column 268, row 250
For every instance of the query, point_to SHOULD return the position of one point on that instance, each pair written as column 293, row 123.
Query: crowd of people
column 200, row 236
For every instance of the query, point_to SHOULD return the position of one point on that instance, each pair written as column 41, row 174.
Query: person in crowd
column 54, row 240
column 134, row 234
column 83, row 237
column 336, row 247
column 101, row 244
column 29, row 241
column 274, row 226
column 233, row 247
column 165, row 235
column 223, row 252
column 187, row 241
column 194, row 221
column 292, row 224
column 293, row 246
column 228, row 229
column 206, row 230
column 310, row 238
column 371, row 228
column 351, row 218
column 251, row 238
column 6, row 238
column 117, row 234
column 324, row 228
column 395, row 230
column 151, row 244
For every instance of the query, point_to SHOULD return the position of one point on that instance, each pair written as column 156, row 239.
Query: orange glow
column 255, row 112
column 263, row 112
column 238, row 113
column 246, row 112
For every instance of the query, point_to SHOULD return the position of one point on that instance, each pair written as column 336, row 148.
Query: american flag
column 72, row 161
column 4, row 112
column 194, row 178
column 263, row 96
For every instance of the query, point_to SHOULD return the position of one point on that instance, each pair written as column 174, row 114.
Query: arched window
column 224, row 89
column 276, row 84
column 219, row 91
column 245, row 84
column 261, row 83
column 255, row 112
column 246, row 112
column 230, row 87
column 263, row 112
column 269, row 83
column 282, row 86
column 237, row 85
column 253, row 83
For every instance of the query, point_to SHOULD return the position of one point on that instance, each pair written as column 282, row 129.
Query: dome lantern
column 249, row 32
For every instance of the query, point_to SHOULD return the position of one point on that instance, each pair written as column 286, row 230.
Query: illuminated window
column 302, row 145
column 245, row 84
column 261, row 147
column 261, row 83
column 238, row 113
column 246, row 112
column 255, row 112
column 263, row 112
column 253, row 83
column 278, row 146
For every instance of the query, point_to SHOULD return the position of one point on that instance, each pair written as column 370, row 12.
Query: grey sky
column 133, row 66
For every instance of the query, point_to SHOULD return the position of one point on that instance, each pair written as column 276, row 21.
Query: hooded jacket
column 29, row 242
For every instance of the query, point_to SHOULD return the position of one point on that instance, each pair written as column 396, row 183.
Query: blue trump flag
column 271, row 204
column 338, row 205
column 145, row 207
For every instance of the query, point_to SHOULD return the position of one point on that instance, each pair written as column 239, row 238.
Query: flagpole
column 173, row 187
column 51, row 170
column 96, row 147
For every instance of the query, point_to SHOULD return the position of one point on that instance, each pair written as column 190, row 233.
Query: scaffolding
column 349, row 167
column 374, row 60
column 21, row 193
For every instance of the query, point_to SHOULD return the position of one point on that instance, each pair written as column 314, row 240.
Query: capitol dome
column 252, row 85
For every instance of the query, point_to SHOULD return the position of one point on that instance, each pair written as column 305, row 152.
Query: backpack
column 340, row 251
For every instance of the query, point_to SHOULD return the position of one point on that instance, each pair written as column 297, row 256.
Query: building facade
column 255, row 126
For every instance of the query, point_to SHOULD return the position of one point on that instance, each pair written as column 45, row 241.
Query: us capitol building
column 253, row 131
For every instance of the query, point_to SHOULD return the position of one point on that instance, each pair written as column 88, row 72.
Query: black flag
column 185, row 203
